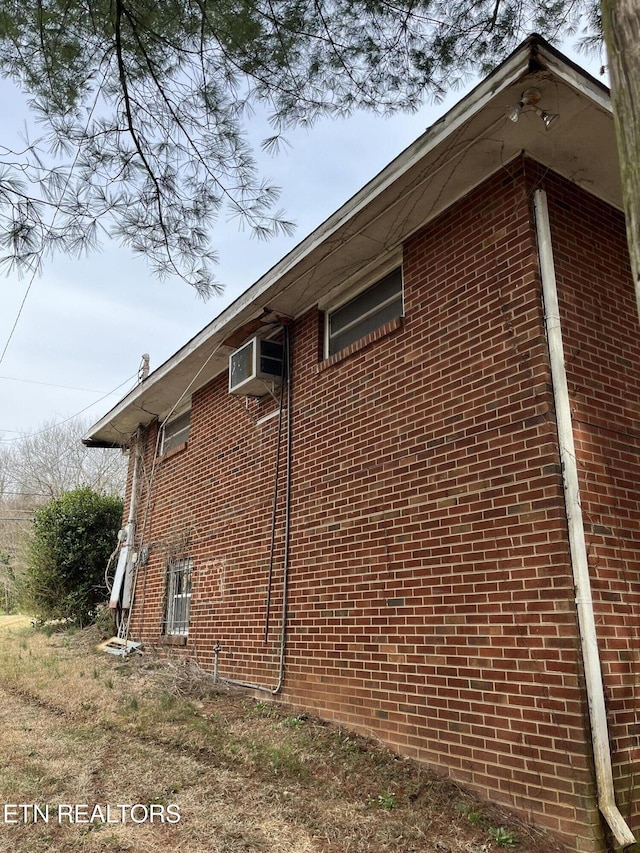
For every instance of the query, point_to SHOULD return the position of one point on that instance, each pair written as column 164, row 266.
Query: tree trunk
column 621, row 28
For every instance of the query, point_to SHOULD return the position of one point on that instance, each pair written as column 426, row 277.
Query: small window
column 175, row 432
column 176, row 621
column 366, row 312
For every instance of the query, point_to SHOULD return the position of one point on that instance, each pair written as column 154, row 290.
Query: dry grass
column 82, row 727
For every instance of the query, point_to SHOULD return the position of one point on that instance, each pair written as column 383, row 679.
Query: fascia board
column 574, row 76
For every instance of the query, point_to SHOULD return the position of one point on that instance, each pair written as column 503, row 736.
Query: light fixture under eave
column 547, row 118
column 530, row 98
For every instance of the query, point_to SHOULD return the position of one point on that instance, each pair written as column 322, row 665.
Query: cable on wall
column 274, row 509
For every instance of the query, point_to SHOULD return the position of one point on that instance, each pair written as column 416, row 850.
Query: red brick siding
column 212, row 502
column 431, row 595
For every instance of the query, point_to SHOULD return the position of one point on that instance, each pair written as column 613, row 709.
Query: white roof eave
column 204, row 357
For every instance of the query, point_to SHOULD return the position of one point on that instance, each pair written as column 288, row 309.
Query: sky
column 84, row 325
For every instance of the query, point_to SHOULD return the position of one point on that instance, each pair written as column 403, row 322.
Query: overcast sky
column 85, row 323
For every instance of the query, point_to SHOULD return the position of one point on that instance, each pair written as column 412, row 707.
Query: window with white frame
column 364, row 313
column 175, row 431
column 176, row 622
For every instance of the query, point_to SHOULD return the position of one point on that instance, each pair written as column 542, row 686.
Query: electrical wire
column 71, row 417
column 53, row 219
column 50, row 385
column 274, row 509
column 107, row 583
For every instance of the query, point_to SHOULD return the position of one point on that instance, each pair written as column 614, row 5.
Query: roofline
column 533, row 54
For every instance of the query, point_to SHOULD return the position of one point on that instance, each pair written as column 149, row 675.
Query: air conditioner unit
column 254, row 366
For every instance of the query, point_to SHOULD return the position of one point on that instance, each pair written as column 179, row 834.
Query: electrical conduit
column 287, row 535
column 124, row 561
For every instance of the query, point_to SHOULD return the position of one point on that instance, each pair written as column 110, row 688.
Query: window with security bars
column 176, row 621
column 367, row 311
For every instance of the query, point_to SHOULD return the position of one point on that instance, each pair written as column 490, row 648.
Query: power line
column 25, row 494
column 18, row 315
column 53, row 219
column 49, row 385
column 71, row 417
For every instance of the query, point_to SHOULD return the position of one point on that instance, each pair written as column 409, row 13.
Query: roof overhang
column 472, row 141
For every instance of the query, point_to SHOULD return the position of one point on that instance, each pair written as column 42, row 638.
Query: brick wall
column 430, row 589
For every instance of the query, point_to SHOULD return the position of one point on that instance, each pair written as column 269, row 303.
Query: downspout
column 577, row 543
column 287, row 535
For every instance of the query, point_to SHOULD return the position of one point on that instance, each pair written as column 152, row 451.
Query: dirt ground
column 101, row 753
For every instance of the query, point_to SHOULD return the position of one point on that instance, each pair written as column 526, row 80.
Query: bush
column 73, row 537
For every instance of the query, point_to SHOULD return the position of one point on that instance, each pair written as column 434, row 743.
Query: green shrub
column 73, row 537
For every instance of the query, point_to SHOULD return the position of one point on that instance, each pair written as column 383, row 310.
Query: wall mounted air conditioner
column 254, row 367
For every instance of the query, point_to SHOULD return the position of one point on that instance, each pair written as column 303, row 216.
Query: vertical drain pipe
column 577, row 543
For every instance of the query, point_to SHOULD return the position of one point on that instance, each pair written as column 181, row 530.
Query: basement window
column 175, row 432
column 179, row 574
column 366, row 312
